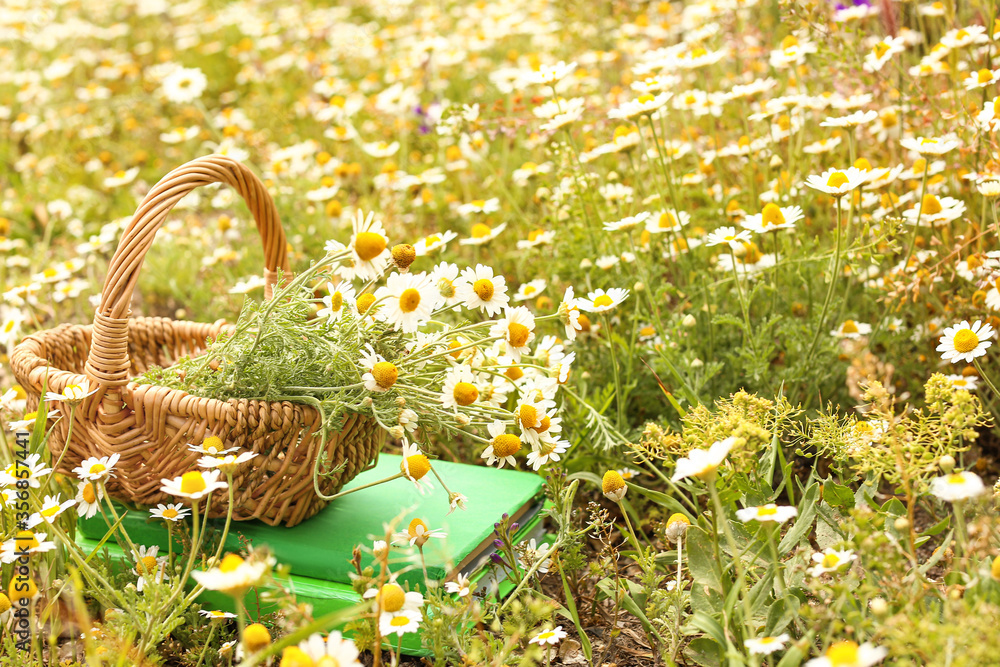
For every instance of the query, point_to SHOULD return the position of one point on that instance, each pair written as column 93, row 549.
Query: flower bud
column 256, row 638
column 639, row 286
column 677, row 525
column 947, row 463
column 697, row 363
column 689, row 321
column 879, row 606
column 613, row 486
column 901, row 524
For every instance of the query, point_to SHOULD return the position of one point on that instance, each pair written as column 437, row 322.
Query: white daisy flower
column 517, row 329
column 460, row 387
column 530, row 290
column 831, row 560
column 14, row 472
column 965, row 342
column 481, row 289
column 334, row 650
column 51, row 508
column 96, row 468
column 369, row 247
column 400, row 624
column 194, row 484
column 930, row 145
column 550, row 637
column 569, row 314
column 460, row 586
column 849, row 654
column 149, row 567
column 482, row 233
column 406, row 300
column 667, row 221
column 851, row 329
column 24, row 542
column 765, row 513
column 417, row 533
column 479, row 206
column 772, row 218
column 837, row 182
column 337, row 298
column 171, row 512
column 600, row 301
column 234, row 575
column 728, row 236
column 184, row 84
column 700, row 462
column 766, row 645
column 434, row 242
column 957, row 486
column 88, row 499
column 71, row 393
column 502, row 445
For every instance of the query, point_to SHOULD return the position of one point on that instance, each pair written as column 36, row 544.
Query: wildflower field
column 720, row 281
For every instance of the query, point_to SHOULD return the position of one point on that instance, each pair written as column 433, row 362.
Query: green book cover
column 321, row 547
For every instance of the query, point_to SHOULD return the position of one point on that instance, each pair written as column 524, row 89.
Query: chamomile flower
column 212, row 446
column 837, row 182
column 333, row 651
column 569, row 314
column 216, row 614
column 517, row 329
column 417, row 533
column 27, row 422
column 851, row 329
column 444, row 277
column 646, row 103
column 957, row 486
column 530, row 290
column 481, row 289
column 851, row 120
column 767, row 513
column 547, row 75
column 849, row 654
column 407, row 300
column 369, row 246
column 550, row 637
column 227, row 463
column 338, row 296
column 400, row 624
column 121, row 177
column 88, row 499
column 965, row 382
column 766, row 645
column 15, row 472
column 982, row 79
column 600, row 301
column 882, row 52
column 149, row 567
column 477, row 206
column 627, row 223
column 415, row 466
column 667, row 221
column 24, row 542
column 234, row 575
column 930, row 145
column 459, row 387
column 51, row 508
column 194, row 484
column 482, row 233
column 728, row 236
column 184, row 84
column 71, row 393
column 434, row 242
column 461, row 586
column 965, row 342
column 831, row 560
column 502, row 445
column 703, row 463
column 772, row 218
column 171, row 512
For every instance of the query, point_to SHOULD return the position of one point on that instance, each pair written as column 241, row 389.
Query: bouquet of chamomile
column 423, row 353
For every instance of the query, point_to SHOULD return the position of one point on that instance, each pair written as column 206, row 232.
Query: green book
column 319, row 550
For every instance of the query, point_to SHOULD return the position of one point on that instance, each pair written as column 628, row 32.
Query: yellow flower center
column 528, row 416
column 192, row 482
column 399, row 621
column 880, row 49
column 931, row 205
column 677, row 517
column 506, row 444
column 369, row 245
column 612, row 482
column 966, row 340
column 432, row 239
column 843, row 654
column 169, row 513
column 956, row 479
column 88, row 493
column 514, row 373
column 392, row 597
column 831, row 560
column 25, row 541
column 984, row 76
column 213, row 444
column 667, row 220
column 336, row 301
column 416, row 527
column 837, row 179
column 767, row 511
column 146, row 565
column 849, row 327
column 230, row 563
column 365, row 302
column 789, row 42
column 256, row 637
column 4, row 604
column 603, row 301
column 16, row 595
column 385, row 374
column 772, row 215
column 643, row 99
column 961, row 34
column 863, row 164
column 478, row 203
column 465, row 393
column 481, row 231
column 416, row 467
column 544, row 426
column 97, row 468
column 483, row 288
column 50, row 512
column 293, row 656
column 517, row 334
column 409, row 300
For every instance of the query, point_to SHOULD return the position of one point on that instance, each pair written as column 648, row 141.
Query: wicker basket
column 150, row 427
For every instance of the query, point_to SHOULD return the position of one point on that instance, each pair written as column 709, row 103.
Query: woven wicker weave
column 150, row 427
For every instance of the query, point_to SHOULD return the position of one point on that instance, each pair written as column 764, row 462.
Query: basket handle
column 108, row 362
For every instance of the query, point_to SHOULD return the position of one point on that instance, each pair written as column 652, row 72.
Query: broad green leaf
column 709, row 626
column 661, row 499
column 781, row 614
column 705, row 652
column 701, row 559
column 838, row 495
